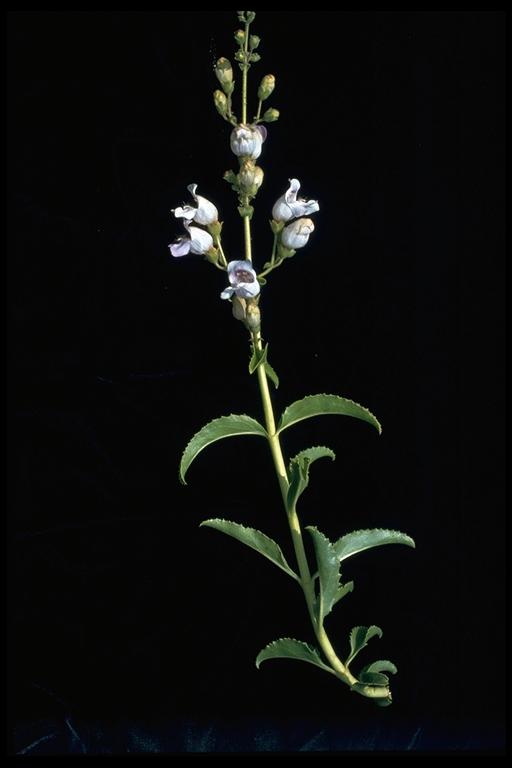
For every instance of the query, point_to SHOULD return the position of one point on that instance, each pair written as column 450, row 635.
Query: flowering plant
column 292, row 227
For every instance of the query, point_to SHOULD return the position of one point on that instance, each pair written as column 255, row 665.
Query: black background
column 131, row 628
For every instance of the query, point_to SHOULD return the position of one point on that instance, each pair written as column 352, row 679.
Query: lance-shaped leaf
column 328, row 572
column 287, row 648
column 323, row 405
column 299, row 471
column 271, row 374
column 254, row 539
column 226, row 426
column 359, row 637
column 358, row 541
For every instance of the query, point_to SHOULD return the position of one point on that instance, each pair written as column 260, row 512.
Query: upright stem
column 244, row 74
column 247, row 233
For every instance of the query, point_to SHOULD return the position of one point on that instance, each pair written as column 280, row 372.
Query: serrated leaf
column 383, row 665
column 259, row 357
column 373, row 678
column 314, row 453
column 225, row 426
column 344, row 590
column 299, row 471
column 254, row 539
column 298, row 479
column 328, row 571
column 358, row 541
column 323, row 405
column 359, row 637
column 271, row 374
column 288, row 648
column 380, row 694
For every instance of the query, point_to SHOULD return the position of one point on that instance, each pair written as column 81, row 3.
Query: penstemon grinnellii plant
column 291, row 227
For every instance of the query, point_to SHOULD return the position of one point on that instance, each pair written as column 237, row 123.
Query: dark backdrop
column 131, row 628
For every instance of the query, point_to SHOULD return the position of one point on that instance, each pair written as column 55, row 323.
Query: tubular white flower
column 198, row 242
column 246, row 140
column 288, row 207
column 243, row 281
column 204, row 213
column 296, row 234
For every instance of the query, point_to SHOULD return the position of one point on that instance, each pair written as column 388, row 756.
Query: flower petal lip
column 288, row 207
column 181, row 247
column 243, row 280
column 204, row 213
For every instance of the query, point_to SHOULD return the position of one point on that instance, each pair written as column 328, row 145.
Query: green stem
column 293, row 521
column 247, row 232
column 221, row 251
column 244, row 74
column 258, row 113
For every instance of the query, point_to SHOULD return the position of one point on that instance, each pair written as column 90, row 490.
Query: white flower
column 244, row 282
column 246, row 140
column 198, row 242
column 288, row 207
column 204, row 212
column 296, row 234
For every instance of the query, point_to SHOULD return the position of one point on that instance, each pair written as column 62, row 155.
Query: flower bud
column 252, row 316
column 221, row 103
column 250, row 178
column 240, row 36
column 254, row 41
column 246, row 140
column 296, row 234
column 271, row 115
column 239, row 308
column 267, row 85
column 224, row 73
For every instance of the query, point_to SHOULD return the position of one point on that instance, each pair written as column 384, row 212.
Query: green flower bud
column 254, row 57
column 221, row 103
column 240, row 36
column 267, row 85
column 239, row 56
column 224, row 73
column 254, row 41
column 271, row 115
column 239, row 308
column 250, row 16
column 252, row 316
column 250, row 178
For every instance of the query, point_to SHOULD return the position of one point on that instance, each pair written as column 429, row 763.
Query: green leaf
column 320, row 405
column 258, row 357
column 344, row 590
column 358, row 541
column 328, row 571
column 271, row 374
column 299, row 471
column 287, row 648
column 379, row 666
column 299, row 479
column 373, row 678
column 314, row 453
column 359, row 637
column 225, row 426
column 254, row 539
